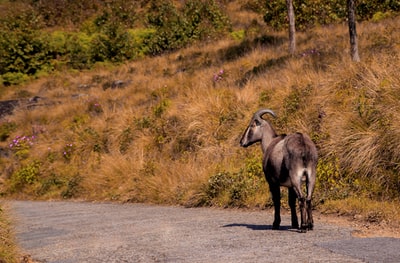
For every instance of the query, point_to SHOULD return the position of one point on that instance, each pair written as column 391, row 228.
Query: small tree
column 292, row 28
column 352, row 31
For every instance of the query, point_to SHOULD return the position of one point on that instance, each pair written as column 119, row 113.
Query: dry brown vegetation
column 169, row 134
column 8, row 250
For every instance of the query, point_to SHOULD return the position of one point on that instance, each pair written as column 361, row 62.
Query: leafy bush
column 27, row 175
column 175, row 29
column 23, row 50
column 48, row 183
column 235, row 188
column 79, row 47
column 140, row 37
column 72, row 187
column 14, row 78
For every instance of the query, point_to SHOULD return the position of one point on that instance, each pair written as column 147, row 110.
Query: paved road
column 65, row 232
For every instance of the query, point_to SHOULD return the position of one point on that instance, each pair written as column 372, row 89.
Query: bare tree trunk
column 352, row 31
column 292, row 28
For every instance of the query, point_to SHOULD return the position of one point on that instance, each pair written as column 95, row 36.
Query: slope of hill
column 165, row 129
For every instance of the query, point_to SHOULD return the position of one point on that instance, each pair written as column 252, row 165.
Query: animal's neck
column 268, row 135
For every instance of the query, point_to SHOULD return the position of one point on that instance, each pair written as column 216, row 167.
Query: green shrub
column 175, row 28
column 14, row 78
column 26, row 175
column 238, row 35
column 53, row 181
column 114, row 45
column 140, row 37
column 235, row 188
column 23, row 47
column 72, row 187
column 79, row 48
column 378, row 16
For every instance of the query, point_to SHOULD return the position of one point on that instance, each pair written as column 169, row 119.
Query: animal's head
column 257, row 128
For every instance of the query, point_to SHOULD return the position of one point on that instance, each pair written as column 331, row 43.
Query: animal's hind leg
column 304, row 225
column 276, row 198
column 310, row 189
column 310, row 220
column 302, row 202
column 292, row 205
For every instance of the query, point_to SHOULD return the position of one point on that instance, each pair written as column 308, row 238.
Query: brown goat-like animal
column 289, row 160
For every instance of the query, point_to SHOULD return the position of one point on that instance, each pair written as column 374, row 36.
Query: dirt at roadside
column 361, row 227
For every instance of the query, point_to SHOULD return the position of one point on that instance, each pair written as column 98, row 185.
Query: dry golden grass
column 8, row 251
column 161, row 137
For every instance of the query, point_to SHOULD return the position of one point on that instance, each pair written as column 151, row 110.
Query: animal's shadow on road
column 262, row 227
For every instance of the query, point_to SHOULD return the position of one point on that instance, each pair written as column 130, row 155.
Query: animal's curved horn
column 261, row 112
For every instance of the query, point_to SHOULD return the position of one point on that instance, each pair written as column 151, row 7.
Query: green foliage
column 79, row 47
column 92, row 141
column 125, row 141
column 161, row 107
column 26, row 175
column 113, row 44
column 140, row 37
column 26, row 49
column 6, row 128
column 14, row 78
column 21, row 146
column 234, row 188
column 366, row 9
column 378, row 16
column 238, row 35
column 160, row 97
column 331, row 184
column 175, row 29
column 23, row 48
column 318, row 12
column 73, row 187
column 143, row 123
column 49, row 183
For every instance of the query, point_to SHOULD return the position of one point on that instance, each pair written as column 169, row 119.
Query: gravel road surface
column 65, row 232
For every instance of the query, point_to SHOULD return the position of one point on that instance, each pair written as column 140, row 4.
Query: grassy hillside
column 165, row 129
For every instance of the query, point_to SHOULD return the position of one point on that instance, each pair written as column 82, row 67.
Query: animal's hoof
column 310, row 226
column 303, row 228
column 275, row 227
column 295, row 226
